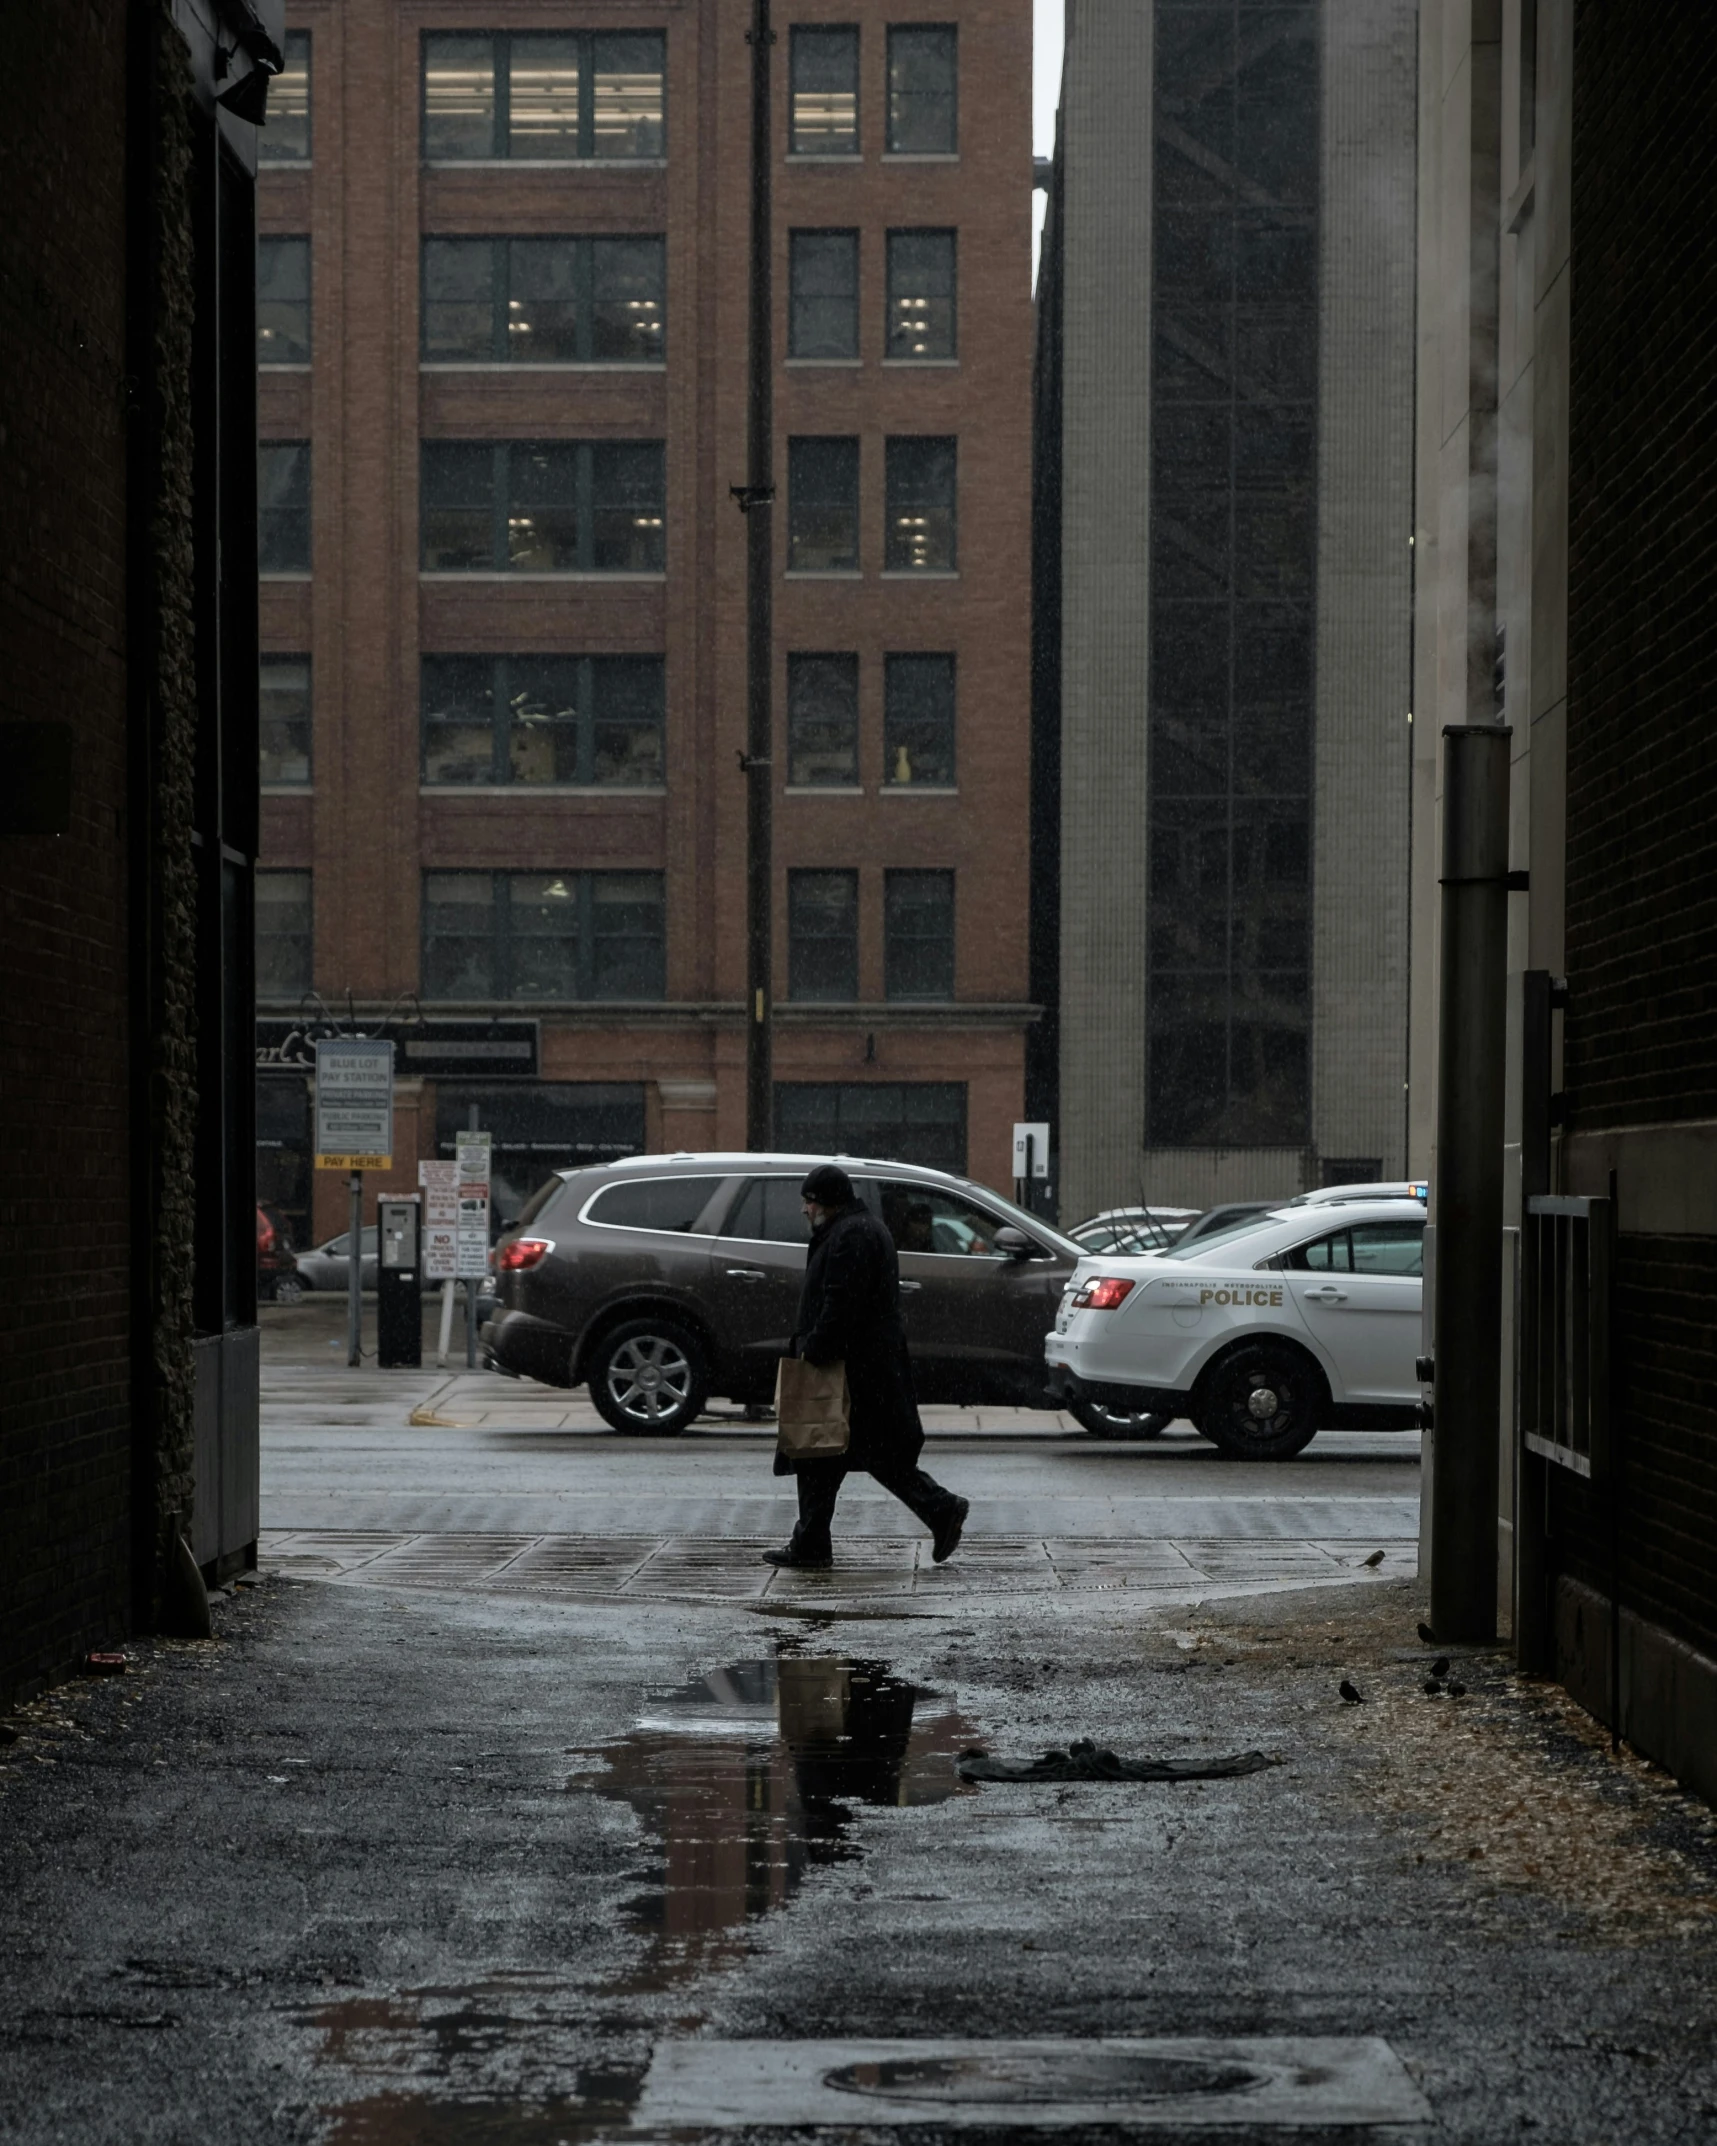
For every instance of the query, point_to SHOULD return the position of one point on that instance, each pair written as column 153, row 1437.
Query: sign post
column 1031, row 1157
column 440, row 1182
column 471, row 1160
column 354, row 1132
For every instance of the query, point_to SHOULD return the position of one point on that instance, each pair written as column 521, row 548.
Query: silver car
column 329, row 1265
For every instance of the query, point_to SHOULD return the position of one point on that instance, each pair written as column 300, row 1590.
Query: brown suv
column 665, row 1279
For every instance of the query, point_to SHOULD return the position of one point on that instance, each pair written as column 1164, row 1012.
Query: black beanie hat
column 829, row 1185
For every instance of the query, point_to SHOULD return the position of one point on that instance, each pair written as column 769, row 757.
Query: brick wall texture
column 1642, row 774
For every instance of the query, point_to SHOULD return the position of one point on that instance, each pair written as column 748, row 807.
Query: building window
column 923, row 119
column 284, row 719
column 283, row 506
column 543, row 507
column 1233, row 592
column 283, row 941
column 285, row 136
column 543, row 935
column 580, row 720
column 823, row 308
column 918, row 935
column 822, row 720
column 899, row 1121
column 823, row 117
column 822, row 506
column 920, row 506
column 918, row 720
column 283, row 301
column 544, row 301
column 822, row 936
column 920, row 294
column 543, row 96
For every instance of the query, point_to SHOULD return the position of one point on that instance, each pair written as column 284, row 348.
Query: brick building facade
column 503, row 303
column 127, row 831
column 1567, row 540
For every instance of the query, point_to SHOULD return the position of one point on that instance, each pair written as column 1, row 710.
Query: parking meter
column 399, row 1285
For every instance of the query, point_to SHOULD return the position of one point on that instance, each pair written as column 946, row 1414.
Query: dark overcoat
column 849, row 1312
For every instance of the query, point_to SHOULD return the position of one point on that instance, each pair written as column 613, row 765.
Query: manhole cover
column 1057, row 2075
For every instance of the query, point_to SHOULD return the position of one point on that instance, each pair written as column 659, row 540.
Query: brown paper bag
column 811, row 1409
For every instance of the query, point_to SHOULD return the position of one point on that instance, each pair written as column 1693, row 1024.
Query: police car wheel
column 1263, row 1403
column 1104, row 1422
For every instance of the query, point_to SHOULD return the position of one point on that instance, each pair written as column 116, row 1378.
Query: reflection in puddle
column 745, row 1778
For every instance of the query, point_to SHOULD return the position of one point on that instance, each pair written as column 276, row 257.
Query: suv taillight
column 1103, row 1295
column 523, row 1252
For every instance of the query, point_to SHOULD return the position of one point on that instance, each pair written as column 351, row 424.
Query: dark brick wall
column 1642, row 623
column 65, row 1363
column 1664, row 1505
column 1642, row 764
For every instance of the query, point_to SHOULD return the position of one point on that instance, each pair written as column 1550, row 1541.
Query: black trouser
column 820, row 1485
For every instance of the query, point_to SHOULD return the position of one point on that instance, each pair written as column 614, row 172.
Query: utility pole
column 1466, row 1187
column 757, row 500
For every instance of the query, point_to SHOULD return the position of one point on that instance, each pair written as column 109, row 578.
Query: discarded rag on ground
column 1085, row 1762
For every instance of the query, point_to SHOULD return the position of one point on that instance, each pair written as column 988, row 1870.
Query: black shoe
column 946, row 1540
column 797, row 1560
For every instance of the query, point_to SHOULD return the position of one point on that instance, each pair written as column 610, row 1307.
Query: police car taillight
column 1103, row 1295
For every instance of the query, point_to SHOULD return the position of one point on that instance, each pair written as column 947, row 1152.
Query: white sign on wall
column 1031, row 1149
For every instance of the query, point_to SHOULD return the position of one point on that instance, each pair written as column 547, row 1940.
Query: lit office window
column 284, row 137
column 283, row 301
column 284, row 719
column 822, row 505
column 822, row 720
column 544, row 301
column 283, row 935
column 918, row 935
column 823, row 113
column 920, row 506
column 543, row 936
column 543, row 96
column 918, row 720
column 923, row 118
column 921, row 294
column 823, row 307
column 283, row 506
column 543, row 506
column 580, row 720
column 822, row 936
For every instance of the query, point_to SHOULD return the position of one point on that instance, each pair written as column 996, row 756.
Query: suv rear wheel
column 649, row 1377
column 1104, row 1422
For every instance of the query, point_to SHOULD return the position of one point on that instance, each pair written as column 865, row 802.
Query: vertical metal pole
column 470, row 1285
column 758, row 500
column 355, row 1271
column 1467, row 1187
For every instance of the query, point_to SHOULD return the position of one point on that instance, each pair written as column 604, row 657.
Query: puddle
column 747, row 1779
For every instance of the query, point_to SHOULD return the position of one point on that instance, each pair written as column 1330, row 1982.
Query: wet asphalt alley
column 414, row 1857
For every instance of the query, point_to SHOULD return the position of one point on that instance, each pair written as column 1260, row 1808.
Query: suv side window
column 924, row 1218
column 1324, row 1255
column 769, row 1211
column 1388, row 1247
column 668, row 1203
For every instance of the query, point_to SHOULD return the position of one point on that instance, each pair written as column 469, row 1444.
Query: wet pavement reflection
column 747, row 1778
column 746, row 1781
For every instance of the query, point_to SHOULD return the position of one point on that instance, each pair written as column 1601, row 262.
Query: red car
column 276, row 1262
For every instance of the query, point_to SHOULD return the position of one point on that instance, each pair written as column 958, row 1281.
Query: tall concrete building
column 503, row 282
column 1222, row 573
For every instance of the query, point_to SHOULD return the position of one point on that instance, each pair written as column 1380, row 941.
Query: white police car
column 1288, row 1323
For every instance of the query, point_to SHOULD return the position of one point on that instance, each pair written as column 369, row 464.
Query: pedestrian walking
column 849, row 1312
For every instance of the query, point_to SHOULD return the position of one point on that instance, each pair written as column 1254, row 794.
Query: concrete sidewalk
column 386, row 1865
